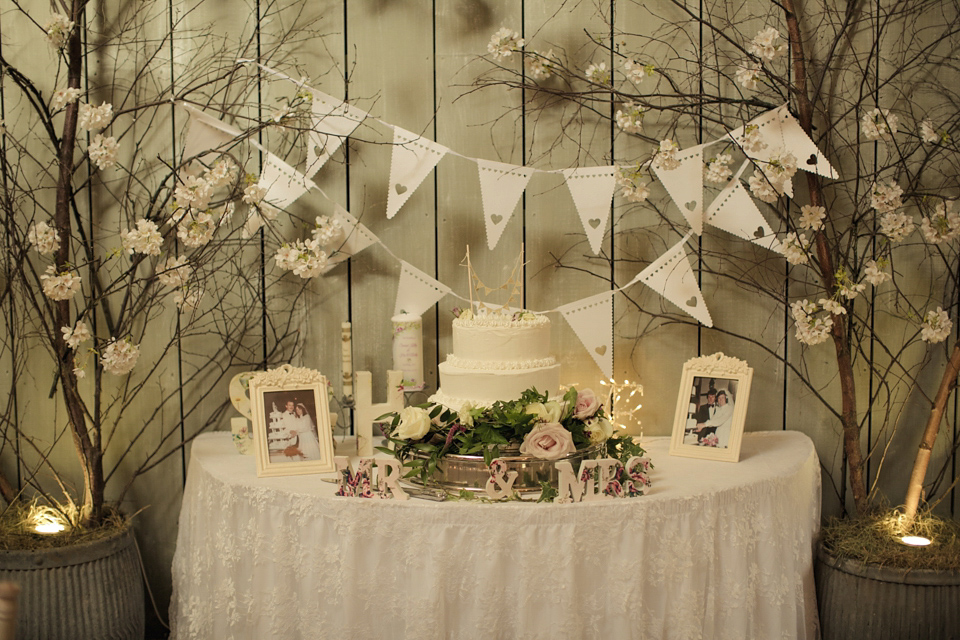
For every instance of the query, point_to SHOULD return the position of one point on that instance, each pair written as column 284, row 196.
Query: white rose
column 548, row 441
column 414, row 423
column 598, row 430
column 549, row 412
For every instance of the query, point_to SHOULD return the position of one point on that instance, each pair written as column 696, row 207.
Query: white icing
column 518, row 342
column 486, row 387
column 500, row 365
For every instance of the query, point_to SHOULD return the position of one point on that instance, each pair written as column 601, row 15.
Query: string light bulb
column 622, row 402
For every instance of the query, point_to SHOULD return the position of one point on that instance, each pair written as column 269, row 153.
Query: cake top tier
column 518, row 319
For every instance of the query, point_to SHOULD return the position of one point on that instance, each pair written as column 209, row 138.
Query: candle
column 408, row 349
column 346, row 360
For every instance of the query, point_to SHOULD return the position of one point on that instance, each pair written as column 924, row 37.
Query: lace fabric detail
column 500, row 365
column 715, row 550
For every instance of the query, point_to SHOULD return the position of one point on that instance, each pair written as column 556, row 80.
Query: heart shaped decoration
column 400, row 189
column 594, row 222
column 812, row 160
column 692, row 302
column 691, row 206
column 602, row 349
column 496, row 218
column 759, row 233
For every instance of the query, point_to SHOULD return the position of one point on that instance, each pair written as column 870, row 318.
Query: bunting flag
column 283, row 183
column 685, row 185
column 414, row 157
column 417, row 291
column 333, row 121
column 671, row 276
column 204, row 132
column 592, row 320
column 735, row 212
column 796, row 140
column 592, row 192
column 356, row 237
column 501, row 186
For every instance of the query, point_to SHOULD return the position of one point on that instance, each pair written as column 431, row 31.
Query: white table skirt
column 715, row 550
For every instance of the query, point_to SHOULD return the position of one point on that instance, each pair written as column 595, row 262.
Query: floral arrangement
column 533, row 425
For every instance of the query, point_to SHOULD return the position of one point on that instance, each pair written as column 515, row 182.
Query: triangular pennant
column 332, row 121
column 795, row 140
column 777, row 129
column 417, row 291
column 735, row 211
column 204, row 132
column 592, row 320
column 592, row 191
column 671, row 276
column 283, row 183
column 414, row 157
column 501, row 186
column 356, row 237
column 685, row 185
column 768, row 131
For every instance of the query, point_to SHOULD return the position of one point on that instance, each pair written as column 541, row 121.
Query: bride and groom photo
column 291, row 426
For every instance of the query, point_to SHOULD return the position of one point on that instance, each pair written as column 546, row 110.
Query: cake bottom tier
column 483, row 388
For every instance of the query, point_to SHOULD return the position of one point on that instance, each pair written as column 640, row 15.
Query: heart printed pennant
column 592, row 320
column 735, row 212
column 501, row 186
column 283, row 183
column 414, row 157
column 417, row 291
column 685, row 185
column 592, row 192
column 672, row 277
column 332, row 121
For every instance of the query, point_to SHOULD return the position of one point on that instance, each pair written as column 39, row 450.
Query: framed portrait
column 711, row 409
column 291, row 422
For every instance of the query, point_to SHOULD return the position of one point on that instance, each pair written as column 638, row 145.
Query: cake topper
column 513, row 285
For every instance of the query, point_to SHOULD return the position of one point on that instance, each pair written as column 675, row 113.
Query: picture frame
column 292, row 432
column 711, row 408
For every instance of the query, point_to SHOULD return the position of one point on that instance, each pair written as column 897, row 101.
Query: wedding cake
column 497, row 357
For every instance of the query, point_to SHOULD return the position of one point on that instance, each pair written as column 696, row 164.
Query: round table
column 714, row 550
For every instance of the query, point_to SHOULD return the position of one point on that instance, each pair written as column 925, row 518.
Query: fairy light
column 915, row 541
column 623, row 402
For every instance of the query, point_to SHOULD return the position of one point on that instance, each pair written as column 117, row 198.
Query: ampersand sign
column 500, row 482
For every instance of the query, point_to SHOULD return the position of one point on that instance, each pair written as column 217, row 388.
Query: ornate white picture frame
column 291, row 422
column 712, row 408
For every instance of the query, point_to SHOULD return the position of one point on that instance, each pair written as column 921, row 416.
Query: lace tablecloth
column 715, row 550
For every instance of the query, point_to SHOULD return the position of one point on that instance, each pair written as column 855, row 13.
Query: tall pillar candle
column 347, row 359
column 408, row 349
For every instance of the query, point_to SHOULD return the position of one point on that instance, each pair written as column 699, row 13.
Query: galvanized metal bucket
column 456, row 472
column 84, row 591
column 859, row 600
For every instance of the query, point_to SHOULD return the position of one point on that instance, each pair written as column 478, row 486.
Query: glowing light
column 915, row 541
column 621, row 404
column 49, row 527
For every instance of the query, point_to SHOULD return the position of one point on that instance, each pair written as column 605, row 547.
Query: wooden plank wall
column 411, row 63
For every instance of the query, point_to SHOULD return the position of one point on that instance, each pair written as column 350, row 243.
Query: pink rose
column 548, row 441
column 587, row 404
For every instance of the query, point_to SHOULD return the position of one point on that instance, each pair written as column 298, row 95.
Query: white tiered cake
column 497, row 357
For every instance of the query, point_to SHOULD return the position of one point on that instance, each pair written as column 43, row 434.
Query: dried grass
column 875, row 539
column 17, row 529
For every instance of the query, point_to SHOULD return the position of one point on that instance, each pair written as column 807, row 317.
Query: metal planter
column 84, row 591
